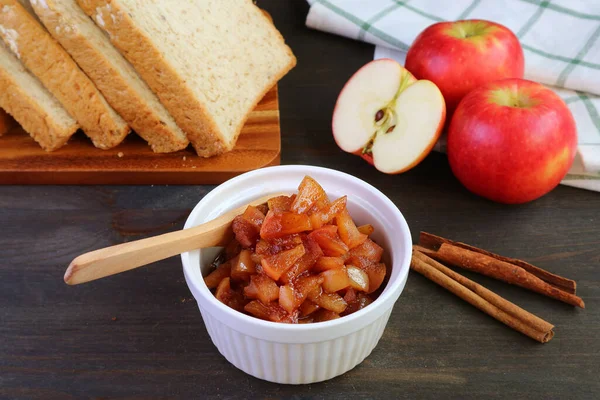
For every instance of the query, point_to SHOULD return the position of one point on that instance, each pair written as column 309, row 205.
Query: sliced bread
column 57, row 71
column 116, row 79
column 28, row 101
column 210, row 62
column 6, row 122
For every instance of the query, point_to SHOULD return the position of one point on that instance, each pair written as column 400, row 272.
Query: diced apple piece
column 335, row 279
column 350, row 295
column 229, row 297
column 291, row 298
column 213, row 279
column 376, row 273
column 263, row 288
column 347, row 230
column 277, row 264
column 312, row 253
column 246, row 233
column 254, row 216
column 327, row 263
column 368, row 250
column 232, row 249
column 307, row 320
column 359, row 279
column 263, row 208
column 287, row 298
column 309, row 193
column 331, row 301
column 324, row 315
column 269, row 247
column 308, row 307
column 291, row 318
column 222, row 289
column 281, row 203
column 329, row 241
column 270, row 312
column 246, row 226
column 366, row 229
column 315, row 292
column 304, row 286
column 279, row 224
column 362, row 300
column 256, row 258
column 320, row 218
column 243, row 266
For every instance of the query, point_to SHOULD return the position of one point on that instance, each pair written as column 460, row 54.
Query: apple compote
column 299, row 259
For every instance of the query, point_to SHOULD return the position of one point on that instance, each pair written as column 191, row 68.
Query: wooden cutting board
column 22, row 161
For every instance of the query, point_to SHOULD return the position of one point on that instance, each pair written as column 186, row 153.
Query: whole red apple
column 511, row 141
column 460, row 56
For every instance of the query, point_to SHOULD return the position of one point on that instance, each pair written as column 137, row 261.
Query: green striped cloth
column 560, row 38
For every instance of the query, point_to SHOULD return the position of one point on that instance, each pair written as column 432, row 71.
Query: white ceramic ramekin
column 304, row 353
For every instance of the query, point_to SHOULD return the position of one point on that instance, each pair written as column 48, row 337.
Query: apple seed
column 379, row 115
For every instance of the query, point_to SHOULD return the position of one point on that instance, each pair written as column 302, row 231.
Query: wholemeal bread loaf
column 26, row 99
column 210, row 62
column 116, row 79
column 6, row 122
column 57, row 71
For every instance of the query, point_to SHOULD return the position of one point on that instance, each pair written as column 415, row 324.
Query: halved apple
column 388, row 117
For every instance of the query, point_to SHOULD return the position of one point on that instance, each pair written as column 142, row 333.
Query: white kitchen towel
column 560, row 39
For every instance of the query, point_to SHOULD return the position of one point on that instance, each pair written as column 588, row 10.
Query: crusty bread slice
column 210, row 62
column 116, row 79
column 57, row 71
column 28, row 101
column 6, row 122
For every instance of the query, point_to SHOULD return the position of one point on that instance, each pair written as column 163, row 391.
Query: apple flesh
column 462, row 55
column 511, row 141
column 387, row 117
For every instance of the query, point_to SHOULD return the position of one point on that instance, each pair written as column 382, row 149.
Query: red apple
column 511, row 141
column 387, row 117
column 460, row 56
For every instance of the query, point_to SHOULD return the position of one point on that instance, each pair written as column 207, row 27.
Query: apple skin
column 511, row 141
column 458, row 64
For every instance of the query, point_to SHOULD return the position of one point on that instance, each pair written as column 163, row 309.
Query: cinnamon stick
column 501, row 270
column 483, row 299
column 500, row 302
column 434, row 242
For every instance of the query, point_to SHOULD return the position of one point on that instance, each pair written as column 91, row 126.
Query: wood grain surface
column 22, row 161
column 139, row 335
column 6, row 122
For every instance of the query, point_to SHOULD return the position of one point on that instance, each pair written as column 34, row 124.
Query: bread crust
column 162, row 137
column 25, row 108
column 189, row 112
column 57, row 71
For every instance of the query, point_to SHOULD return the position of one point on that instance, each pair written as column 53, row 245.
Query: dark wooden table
column 140, row 335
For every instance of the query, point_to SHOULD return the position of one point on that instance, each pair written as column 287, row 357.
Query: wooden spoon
column 123, row 257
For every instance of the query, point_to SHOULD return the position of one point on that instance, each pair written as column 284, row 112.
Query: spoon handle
column 123, row 257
